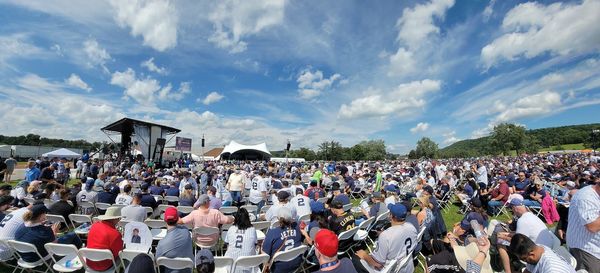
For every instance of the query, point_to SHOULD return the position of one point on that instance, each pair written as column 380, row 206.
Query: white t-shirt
column 302, row 205
column 8, row 228
column 395, row 242
column 87, row 196
column 273, row 212
column 123, row 199
column 532, row 227
column 482, row 176
column 258, row 186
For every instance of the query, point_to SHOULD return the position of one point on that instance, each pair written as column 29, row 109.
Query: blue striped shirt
column 584, row 209
column 550, row 262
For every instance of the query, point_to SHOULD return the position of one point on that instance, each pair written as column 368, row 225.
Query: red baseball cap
column 327, row 242
column 171, row 214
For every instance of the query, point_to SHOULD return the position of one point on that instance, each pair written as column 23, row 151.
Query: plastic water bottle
column 68, row 264
column 478, row 230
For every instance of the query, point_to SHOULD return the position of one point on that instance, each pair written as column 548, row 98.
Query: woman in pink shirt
column 206, row 217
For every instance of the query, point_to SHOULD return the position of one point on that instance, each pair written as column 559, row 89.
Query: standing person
column 235, row 185
column 177, row 243
column 79, row 166
column 241, row 238
column 481, row 173
column 11, row 164
column 281, row 238
column 396, row 242
column 539, row 258
column 32, row 172
column 3, row 169
column 326, row 247
column 104, row 235
column 258, row 191
column 583, row 231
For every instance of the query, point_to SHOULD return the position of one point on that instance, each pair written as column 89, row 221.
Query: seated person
column 5, row 203
column 241, row 237
column 187, row 198
column 284, row 237
column 62, row 207
column 173, row 190
column 125, row 197
column 204, row 216
column 326, row 247
column 534, row 194
column 498, row 196
column 539, row 258
column 104, row 235
column 156, row 188
column 339, row 195
column 147, row 199
column 205, row 262
column 521, row 183
column 340, row 220
column 314, row 192
column 177, row 243
column 376, row 208
column 107, row 195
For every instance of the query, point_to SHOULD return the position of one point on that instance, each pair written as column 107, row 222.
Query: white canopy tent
column 62, row 152
column 237, row 150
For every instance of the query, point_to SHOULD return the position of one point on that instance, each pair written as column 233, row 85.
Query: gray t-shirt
column 176, row 244
column 135, row 213
column 10, row 163
column 396, row 242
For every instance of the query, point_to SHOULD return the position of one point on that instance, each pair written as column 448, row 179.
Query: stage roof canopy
column 126, row 125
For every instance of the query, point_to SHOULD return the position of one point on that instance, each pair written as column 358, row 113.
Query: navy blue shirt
column 521, row 185
column 106, row 197
column 156, row 190
column 290, row 237
column 148, row 201
column 38, row 236
column 172, row 191
column 468, row 190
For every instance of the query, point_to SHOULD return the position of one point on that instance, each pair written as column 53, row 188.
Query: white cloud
column 236, row 19
column 533, row 29
column 401, row 101
column 488, row 11
column 75, row 81
column 417, row 23
column 529, row 106
column 146, row 90
column 155, row 20
column 16, row 45
column 312, row 84
column 212, row 97
column 415, row 27
column 96, row 54
column 420, row 127
column 450, row 138
column 152, row 67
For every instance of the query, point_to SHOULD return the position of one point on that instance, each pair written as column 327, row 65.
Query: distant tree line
column 36, row 140
column 508, row 137
column 334, row 151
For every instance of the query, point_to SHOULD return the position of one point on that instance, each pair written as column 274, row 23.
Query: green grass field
column 576, row 146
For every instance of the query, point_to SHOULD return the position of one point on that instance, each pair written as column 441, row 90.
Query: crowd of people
column 312, row 204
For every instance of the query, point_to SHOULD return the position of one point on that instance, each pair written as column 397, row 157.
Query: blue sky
column 308, row 71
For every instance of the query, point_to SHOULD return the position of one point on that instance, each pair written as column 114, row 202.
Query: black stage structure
column 148, row 137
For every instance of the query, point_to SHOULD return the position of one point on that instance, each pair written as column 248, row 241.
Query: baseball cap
column 299, row 191
column 571, row 184
column 398, row 210
column 335, row 186
column 327, row 242
column 37, row 210
column 204, row 256
column 316, row 206
column 337, row 204
column 203, row 199
column 144, row 187
column 390, row 188
column 475, row 202
column 465, row 225
column 188, row 187
column 376, row 195
column 516, row 202
column 428, row 189
column 283, row 195
column 171, row 214
column 313, row 182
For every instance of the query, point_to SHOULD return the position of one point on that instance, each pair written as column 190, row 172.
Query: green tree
column 330, row 150
column 426, row 148
column 508, row 136
column 305, row 153
column 373, row 149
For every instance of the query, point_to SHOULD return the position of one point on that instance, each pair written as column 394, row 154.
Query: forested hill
column 36, row 140
column 544, row 138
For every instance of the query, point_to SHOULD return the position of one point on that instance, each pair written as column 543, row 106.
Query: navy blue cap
column 398, row 210
column 316, row 206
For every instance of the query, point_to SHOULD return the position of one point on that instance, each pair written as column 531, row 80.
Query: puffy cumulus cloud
column 152, row 67
column 211, row 98
column 529, row 106
column 450, row 138
column 96, row 55
column 236, row 19
column 533, row 29
column 415, row 26
column 417, row 23
column 402, row 101
column 62, row 115
column 420, row 127
column 312, row 84
column 75, row 81
column 146, row 90
column 155, row 20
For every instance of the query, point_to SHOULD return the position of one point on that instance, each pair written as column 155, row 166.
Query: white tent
column 234, row 147
column 62, row 152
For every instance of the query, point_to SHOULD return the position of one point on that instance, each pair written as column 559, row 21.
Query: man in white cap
column 104, row 235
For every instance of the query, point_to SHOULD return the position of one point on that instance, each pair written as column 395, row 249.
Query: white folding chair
column 48, row 202
column 57, row 219
column 249, row 261
column 252, row 209
column 264, row 209
column 149, row 211
column 97, row 255
column 175, row 263
column 158, row 228
column 261, row 225
column 79, row 219
column 363, row 231
column 127, row 255
column 29, row 200
column 102, row 206
column 205, row 231
column 158, row 198
column 564, row 253
column 22, row 247
column 228, row 210
column 288, row 255
column 69, row 262
column 304, row 218
column 171, row 199
column 223, row 264
column 185, row 209
column 391, row 267
column 161, row 210
column 86, row 206
column 344, row 236
column 7, row 255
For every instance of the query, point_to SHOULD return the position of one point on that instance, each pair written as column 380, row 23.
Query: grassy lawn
column 576, row 146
